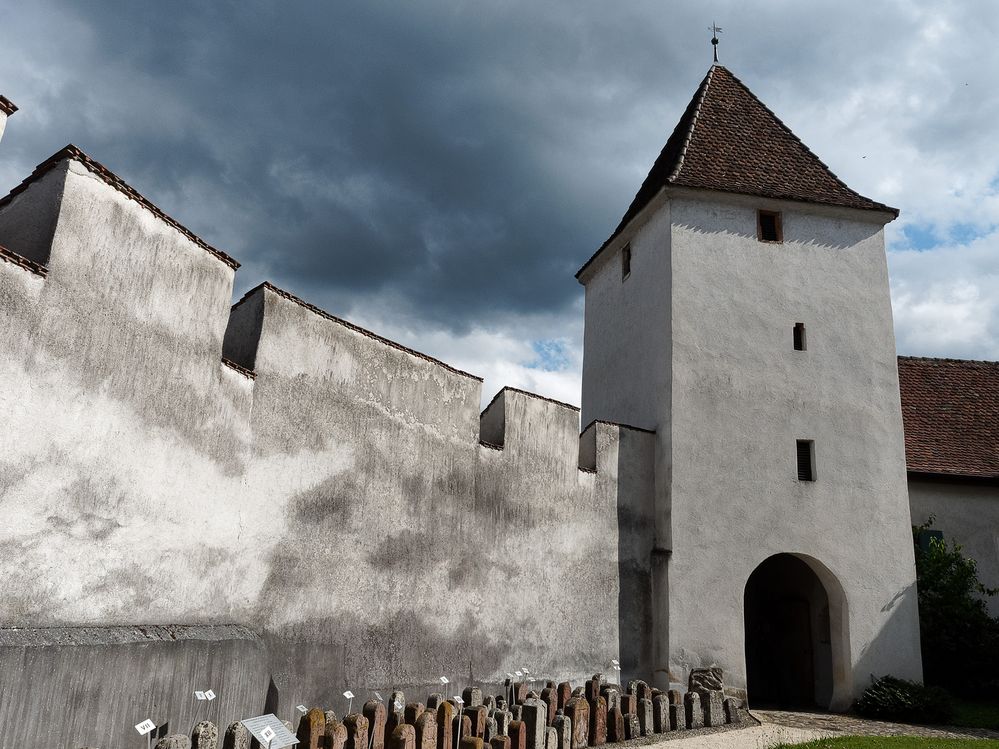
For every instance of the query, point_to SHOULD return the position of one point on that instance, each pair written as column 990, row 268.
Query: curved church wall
column 324, row 488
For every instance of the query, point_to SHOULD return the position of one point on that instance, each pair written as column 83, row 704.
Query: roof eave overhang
column 938, row 477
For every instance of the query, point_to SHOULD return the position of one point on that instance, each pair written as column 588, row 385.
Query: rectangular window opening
column 626, row 262
column 799, row 336
column 768, row 226
column 806, row 460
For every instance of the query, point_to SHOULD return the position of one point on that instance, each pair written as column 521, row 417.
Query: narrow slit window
column 768, row 226
column 806, row 460
column 799, row 336
column 626, row 262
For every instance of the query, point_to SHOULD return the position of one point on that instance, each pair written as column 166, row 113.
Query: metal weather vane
column 715, row 30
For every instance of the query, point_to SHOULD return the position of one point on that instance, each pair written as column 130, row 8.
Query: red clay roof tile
column 950, row 408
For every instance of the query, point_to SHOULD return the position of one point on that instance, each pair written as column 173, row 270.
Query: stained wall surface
column 968, row 514
column 328, row 492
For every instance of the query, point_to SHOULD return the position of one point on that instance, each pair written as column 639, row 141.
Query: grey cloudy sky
column 438, row 170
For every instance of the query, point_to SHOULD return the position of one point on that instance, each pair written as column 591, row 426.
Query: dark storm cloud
column 440, row 151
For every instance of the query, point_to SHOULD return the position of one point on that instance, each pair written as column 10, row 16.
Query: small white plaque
column 348, row 694
column 525, row 671
column 444, row 680
column 145, row 727
column 302, row 708
column 378, row 697
column 519, row 673
column 264, row 725
column 509, row 675
column 209, row 695
column 614, row 661
column 459, row 700
column 199, row 696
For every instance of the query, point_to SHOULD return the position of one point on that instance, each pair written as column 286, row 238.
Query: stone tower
column 741, row 310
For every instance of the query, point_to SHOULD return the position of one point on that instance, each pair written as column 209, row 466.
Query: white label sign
column 302, row 708
column 209, row 695
column 459, row 700
column 444, row 680
column 526, row 671
column 145, row 727
column 519, row 673
column 348, row 694
column 268, row 728
column 378, row 697
column 199, row 696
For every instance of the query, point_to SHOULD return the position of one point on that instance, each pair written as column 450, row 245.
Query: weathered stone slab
column 563, row 731
column 434, row 700
column 501, row 703
column 692, row 709
column 598, row 721
column 336, row 733
column 517, row 712
column 477, row 718
column 206, row 735
column 660, row 713
column 489, row 701
column 577, row 709
column 534, row 713
column 176, row 741
column 471, row 742
column 714, row 715
column 551, row 738
column 503, row 720
column 461, row 728
column 519, row 692
column 518, row 735
column 612, row 695
column 549, row 695
column 413, row 711
column 311, row 731
column 472, row 696
column 632, row 726
column 397, row 700
column 677, row 717
column 675, row 697
column 403, row 737
column 492, row 729
column 237, row 736
column 394, row 718
column 357, row 731
column 591, row 688
column 615, row 725
column 445, row 716
column 426, row 730
column 500, row 742
column 731, row 707
column 564, row 692
column 645, row 716
column 377, row 717
column 330, row 716
column 629, row 704
column 705, row 680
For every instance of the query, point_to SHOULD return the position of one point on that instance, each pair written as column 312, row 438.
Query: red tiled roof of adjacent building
column 950, row 408
column 728, row 140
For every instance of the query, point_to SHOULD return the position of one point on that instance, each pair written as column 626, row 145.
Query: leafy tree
column 960, row 641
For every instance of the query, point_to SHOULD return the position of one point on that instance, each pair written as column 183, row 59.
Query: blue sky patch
column 552, row 355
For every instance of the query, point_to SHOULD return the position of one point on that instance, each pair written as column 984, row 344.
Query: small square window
column 626, row 262
column 768, row 226
column 806, row 460
column 799, row 336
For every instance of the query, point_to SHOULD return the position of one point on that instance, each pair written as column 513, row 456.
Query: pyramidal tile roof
column 728, row 140
column 950, row 408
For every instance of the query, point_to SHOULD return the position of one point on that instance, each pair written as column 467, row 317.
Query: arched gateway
column 795, row 634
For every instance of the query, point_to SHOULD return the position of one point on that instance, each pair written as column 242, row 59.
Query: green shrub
column 894, row 699
column 960, row 641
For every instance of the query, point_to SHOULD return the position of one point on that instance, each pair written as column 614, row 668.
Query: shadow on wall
column 636, row 539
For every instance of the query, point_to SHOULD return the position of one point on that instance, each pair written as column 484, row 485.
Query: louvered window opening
column 806, row 459
column 799, row 336
column 768, row 226
column 626, row 262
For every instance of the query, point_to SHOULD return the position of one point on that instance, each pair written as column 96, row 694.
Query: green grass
column 894, row 742
column 976, row 715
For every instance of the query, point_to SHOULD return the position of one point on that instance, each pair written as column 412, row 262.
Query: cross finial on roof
column 715, row 30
